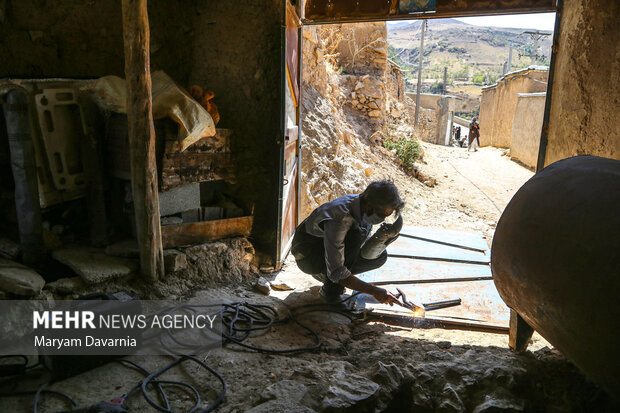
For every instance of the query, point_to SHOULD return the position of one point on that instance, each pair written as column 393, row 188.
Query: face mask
column 373, row 219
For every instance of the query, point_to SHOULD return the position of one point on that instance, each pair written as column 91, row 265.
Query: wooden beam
column 520, row 333
column 136, row 39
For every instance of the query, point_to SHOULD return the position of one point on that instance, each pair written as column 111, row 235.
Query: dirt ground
column 471, row 191
column 364, row 366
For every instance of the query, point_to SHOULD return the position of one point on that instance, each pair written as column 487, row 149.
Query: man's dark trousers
column 309, row 254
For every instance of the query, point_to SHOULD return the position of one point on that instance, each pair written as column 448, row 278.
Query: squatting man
column 333, row 243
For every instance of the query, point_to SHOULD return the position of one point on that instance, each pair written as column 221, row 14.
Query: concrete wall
column 241, row 64
column 527, row 126
column 585, row 102
column 68, row 38
column 498, row 103
column 442, row 105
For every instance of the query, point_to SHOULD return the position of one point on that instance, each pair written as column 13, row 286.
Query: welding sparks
column 418, row 312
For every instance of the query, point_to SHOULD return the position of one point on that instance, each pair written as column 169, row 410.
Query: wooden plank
column 91, row 159
column 200, row 232
column 136, row 38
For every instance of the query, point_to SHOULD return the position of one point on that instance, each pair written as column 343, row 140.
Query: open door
column 290, row 160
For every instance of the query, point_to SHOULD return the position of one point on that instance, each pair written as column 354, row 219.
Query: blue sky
column 541, row 21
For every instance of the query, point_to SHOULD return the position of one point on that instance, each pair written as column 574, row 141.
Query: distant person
column 457, row 135
column 474, row 134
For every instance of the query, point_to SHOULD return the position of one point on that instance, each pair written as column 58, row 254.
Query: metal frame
column 544, row 135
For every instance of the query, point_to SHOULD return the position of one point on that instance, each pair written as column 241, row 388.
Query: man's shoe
column 331, row 294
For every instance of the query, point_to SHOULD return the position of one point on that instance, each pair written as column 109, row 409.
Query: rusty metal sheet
column 480, row 302
column 330, row 11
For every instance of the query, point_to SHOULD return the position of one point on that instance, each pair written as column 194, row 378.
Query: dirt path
column 472, row 188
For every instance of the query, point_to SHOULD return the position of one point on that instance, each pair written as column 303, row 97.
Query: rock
column 493, row 404
column 174, row 260
column 278, row 406
column 262, row 286
column 280, row 286
column 388, row 376
column 374, row 113
column 65, row 285
column 354, row 103
column 444, row 344
column 395, row 113
column 452, row 402
column 93, row 265
column 18, row 279
column 368, row 172
column 9, row 249
column 171, row 220
column 126, row 248
column 358, row 86
column 349, row 391
column 373, row 105
column 285, row 390
column 353, row 95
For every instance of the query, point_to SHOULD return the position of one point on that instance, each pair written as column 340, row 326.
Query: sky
column 540, row 21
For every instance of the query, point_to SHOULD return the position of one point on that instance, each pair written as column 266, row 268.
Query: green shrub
column 407, row 150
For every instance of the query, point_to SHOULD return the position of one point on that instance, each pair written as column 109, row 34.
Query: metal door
column 290, row 161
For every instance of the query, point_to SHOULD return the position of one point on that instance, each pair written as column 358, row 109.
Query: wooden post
column 136, row 38
column 520, row 332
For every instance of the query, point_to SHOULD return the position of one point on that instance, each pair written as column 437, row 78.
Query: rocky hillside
column 353, row 99
column 472, row 54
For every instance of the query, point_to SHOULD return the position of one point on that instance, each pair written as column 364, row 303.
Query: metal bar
column 415, row 257
column 449, row 244
column 434, row 281
column 420, row 62
column 441, row 304
column 419, row 322
column 544, row 135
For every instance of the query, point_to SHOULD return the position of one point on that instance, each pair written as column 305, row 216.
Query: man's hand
column 385, row 297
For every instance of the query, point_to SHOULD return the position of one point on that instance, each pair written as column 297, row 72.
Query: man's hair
column 383, row 194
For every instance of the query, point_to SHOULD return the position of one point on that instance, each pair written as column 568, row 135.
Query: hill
column 471, row 54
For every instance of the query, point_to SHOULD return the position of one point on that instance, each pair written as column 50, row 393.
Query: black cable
column 239, row 321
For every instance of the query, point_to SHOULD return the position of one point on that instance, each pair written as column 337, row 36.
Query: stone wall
column 498, row 103
column 585, row 99
column 527, row 127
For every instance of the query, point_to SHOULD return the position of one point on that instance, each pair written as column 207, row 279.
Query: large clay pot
column 556, row 261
